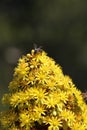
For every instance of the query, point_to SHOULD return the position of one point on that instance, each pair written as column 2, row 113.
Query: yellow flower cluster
column 41, row 96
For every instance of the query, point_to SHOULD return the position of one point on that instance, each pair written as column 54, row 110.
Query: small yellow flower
column 68, row 116
column 42, row 57
column 22, row 68
column 79, row 126
column 51, row 85
column 54, row 123
column 51, row 101
column 19, row 98
column 62, row 96
column 38, row 93
column 8, row 118
column 13, row 85
column 34, row 63
column 41, row 77
column 25, row 119
column 38, row 111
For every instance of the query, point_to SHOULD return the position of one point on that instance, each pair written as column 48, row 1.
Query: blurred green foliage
column 24, row 21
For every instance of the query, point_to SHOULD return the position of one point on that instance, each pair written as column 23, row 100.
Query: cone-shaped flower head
column 42, row 97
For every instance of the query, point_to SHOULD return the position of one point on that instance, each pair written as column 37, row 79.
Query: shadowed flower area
column 41, row 97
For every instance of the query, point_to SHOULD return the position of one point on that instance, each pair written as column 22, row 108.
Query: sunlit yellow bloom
column 8, row 118
column 51, row 101
column 25, row 119
column 54, row 123
column 51, row 85
column 38, row 111
column 19, row 98
column 42, row 57
column 22, row 68
column 41, row 77
column 79, row 126
column 62, row 96
column 34, row 63
column 38, row 93
column 13, row 85
column 68, row 116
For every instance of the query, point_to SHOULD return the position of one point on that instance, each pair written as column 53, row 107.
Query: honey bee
column 37, row 49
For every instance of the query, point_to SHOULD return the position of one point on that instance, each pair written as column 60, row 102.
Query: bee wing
column 35, row 46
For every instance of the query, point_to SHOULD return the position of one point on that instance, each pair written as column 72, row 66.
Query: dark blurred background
column 59, row 26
